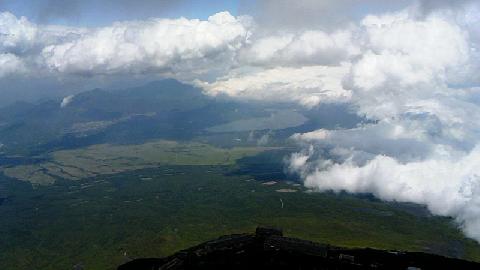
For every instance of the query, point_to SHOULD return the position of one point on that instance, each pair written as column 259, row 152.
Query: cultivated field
column 109, row 159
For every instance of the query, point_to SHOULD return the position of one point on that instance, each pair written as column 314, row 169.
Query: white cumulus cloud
column 421, row 144
column 311, row 47
column 10, row 64
column 186, row 47
column 309, row 85
column 154, row 45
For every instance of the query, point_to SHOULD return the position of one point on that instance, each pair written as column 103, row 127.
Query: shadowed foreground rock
column 268, row 249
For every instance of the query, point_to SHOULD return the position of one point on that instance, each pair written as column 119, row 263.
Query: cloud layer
column 308, row 85
column 412, row 81
column 138, row 47
column 156, row 45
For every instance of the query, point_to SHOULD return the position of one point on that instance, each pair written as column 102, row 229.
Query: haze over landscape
column 363, row 109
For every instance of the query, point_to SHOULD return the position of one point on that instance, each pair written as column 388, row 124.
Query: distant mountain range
column 164, row 109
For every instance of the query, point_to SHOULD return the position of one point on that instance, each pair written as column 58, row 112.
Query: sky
column 101, row 13
column 410, row 67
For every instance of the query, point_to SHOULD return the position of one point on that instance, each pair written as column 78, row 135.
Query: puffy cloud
column 448, row 186
column 66, row 100
column 10, row 64
column 305, row 67
column 398, row 35
column 23, row 38
column 310, row 47
column 153, row 46
column 307, row 85
column 421, row 144
column 408, row 59
column 21, row 43
column 16, row 35
column 163, row 44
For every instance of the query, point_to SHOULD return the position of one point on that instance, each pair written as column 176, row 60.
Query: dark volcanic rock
column 268, row 249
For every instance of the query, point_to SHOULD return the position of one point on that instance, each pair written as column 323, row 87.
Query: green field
column 110, row 159
column 106, row 220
